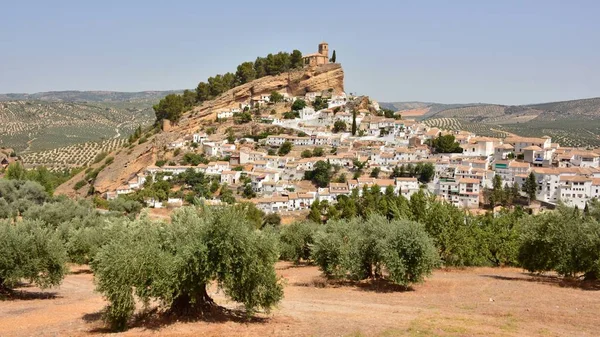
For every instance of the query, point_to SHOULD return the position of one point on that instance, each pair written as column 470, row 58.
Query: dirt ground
column 470, row 302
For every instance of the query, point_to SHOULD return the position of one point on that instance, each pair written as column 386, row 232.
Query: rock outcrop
column 128, row 162
column 294, row 83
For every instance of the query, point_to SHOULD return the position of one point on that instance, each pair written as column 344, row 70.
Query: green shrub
column 296, row 241
column 79, row 185
column 109, row 161
column 125, row 205
column 31, row 252
column 99, row 157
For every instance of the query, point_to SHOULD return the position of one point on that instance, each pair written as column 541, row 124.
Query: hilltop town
column 351, row 143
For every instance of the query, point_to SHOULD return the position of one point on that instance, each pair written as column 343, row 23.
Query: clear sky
column 504, row 51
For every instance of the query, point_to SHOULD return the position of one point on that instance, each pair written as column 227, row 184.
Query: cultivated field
column 455, row 124
column 470, row 302
column 72, row 156
column 32, row 126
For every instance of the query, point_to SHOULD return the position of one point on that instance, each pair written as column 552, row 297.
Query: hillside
column 127, row 163
column 30, row 126
column 572, row 123
column 46, row 121
column 88, row 96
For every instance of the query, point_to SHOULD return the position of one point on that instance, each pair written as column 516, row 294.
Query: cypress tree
column 353, row 117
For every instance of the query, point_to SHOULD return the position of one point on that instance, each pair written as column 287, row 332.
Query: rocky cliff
column 295, row 83
column 129, row 161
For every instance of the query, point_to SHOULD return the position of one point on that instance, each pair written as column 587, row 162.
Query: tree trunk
column 590, row 276
column 198, row 302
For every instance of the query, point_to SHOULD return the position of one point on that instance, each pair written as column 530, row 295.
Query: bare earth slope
column 470, row 302
column 296, row 83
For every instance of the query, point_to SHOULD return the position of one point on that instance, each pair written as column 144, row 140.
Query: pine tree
column 353, row 117
column 333, row 57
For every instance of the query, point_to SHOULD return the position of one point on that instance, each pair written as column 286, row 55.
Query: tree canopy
column 173, row 263
column 361, row 249
column 321, row 174
column 298, row 105
column 171, row 107
column 446, row 144
column 29, row 250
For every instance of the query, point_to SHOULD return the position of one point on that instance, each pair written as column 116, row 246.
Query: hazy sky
column 504, row 51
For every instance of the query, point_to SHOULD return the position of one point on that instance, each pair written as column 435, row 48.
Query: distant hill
column 571, row 123
column 49, row 120
column 586, row 108
column 89, row 96
column 45, row 125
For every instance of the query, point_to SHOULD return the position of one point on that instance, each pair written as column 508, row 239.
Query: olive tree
column 173, row 263
column 31, row 252
column 296, row 241
column 17, row 196
column 55, row 213
column 561, row 241
column 400, row 250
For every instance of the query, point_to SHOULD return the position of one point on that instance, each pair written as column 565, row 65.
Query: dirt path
column 29, row 142
column 479, row 301
column 508, row 134
column 118, row 131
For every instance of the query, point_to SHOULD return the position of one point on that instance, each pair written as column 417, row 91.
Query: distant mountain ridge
column 88, row 96
column 571, row 123
column 586, row 108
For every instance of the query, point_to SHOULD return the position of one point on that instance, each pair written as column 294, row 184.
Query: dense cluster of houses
column 569, row 175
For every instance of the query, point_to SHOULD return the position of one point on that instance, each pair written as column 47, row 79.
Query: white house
column 575, row 190
column 479, row 147
column 344, row 116
column 520, row 143
column 461, row 193
column 537, row 156
column 585, row 159
column 407, row 186
column 311, row 96
column 308, row 113
column 508, row 170
column 502, row 151
column 199, row 138
column 272, row 204
column 124, row 189
column 225, row 114
column 230, row 177
column 177, row 144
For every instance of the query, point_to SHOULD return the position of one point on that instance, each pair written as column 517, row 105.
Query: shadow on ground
column 20, row 295
column 81, row 271
column 374, row 285
column 156, row 320
column 592, row 285
column 294, row 266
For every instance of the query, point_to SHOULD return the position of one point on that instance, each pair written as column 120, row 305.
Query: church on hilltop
column 322, row 57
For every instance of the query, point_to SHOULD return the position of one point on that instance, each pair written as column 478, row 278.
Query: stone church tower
column 319, row 58
column 324, row 49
